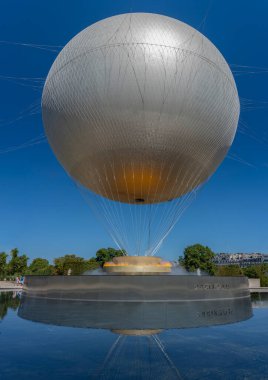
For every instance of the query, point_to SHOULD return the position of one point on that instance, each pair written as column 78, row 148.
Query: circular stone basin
column 135, row 265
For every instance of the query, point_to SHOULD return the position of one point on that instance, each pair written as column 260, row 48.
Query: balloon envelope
column 140, row 108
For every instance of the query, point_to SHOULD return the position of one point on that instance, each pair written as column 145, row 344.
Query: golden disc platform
column 137, row 265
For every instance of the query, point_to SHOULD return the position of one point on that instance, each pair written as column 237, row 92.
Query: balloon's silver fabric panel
column 140, row 107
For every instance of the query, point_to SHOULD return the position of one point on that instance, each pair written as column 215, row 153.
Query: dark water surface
column 33, row 350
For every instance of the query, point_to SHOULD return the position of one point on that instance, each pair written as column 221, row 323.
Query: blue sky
column 43, row 213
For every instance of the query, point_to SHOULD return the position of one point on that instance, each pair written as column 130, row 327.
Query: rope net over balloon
column 138, row 228
column 140, row 109
column 141, row 223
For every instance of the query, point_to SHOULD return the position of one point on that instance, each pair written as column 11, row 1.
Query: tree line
column 14, row 264
column 194, row 257
column 199, row 256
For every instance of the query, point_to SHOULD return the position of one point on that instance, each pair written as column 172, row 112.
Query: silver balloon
column 140, row 108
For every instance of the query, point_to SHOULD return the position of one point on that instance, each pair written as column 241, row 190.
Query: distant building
column 241, row 259
column 265, row 259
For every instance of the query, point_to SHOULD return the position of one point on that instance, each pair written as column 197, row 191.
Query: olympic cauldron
column 140, row 109
column 131, row 265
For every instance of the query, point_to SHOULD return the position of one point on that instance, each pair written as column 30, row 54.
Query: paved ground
column 10, row 285
column 259, row 290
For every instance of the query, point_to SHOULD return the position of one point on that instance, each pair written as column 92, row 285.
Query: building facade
column 241, row 259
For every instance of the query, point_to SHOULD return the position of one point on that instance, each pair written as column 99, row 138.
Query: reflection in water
column 234, row 351
column 122, row 315
column 259, row 300
column 138, row 351
column 8, row 300
column 149, row 360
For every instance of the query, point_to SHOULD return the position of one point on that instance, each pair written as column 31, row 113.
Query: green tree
column 229, row 270
column 3, row 263
column 70, row 264
column 252, row 272
column 107, row 254
column 17, row 264
column 258, row 271
column 92, row 264
column 198, row 256
column 41, row 267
